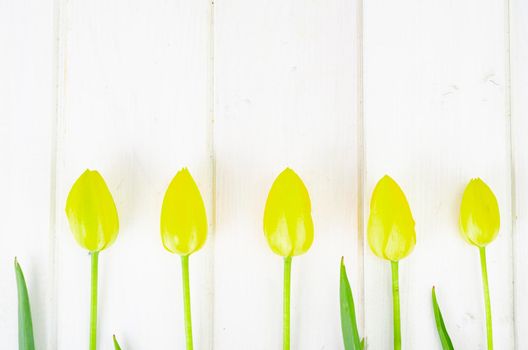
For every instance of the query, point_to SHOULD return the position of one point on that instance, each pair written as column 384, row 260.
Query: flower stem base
column 396, row 305
column 487, row 302
column 187, row 301
column 93, row 301
column 286, row 305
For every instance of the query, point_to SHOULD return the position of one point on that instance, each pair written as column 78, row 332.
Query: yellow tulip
column 391, row 236
column 183, row 227
column 479, row 214
column 91, row 212
column 183, row 217
column 390, row 231
column 480, row 223
column 288, row 222
column 288, row 227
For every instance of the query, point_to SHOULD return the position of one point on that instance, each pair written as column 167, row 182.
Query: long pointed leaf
column 116, row 344
column 348, row 314
column 25, row 325
column 440, row 326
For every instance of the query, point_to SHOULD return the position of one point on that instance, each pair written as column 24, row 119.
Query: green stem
column 396, row 305
column 485, row 284
column 93, row 301
column 286, row 305
column 187, row 301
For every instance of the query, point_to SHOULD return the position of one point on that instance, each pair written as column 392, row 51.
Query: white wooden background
column 431, row 92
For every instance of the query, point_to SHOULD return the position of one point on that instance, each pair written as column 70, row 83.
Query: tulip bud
column 479, row 214
column 91, row 212
column 390, row 230
column 288, row 222
column 183, row 218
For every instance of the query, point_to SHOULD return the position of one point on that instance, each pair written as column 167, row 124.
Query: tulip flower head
column 91, row 212
column 390, row 232
column 183, row 218
column 479, row 214
column 288, row 222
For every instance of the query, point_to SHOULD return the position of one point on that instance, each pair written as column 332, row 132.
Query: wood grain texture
column 136, row 105
column 435, row 116
column 519, row 115
column 285, row 95
column 26, row 131
column 134, row 97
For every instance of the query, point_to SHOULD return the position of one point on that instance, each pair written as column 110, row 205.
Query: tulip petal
column 288, row 224
column 479, row 214
column 183, row 221
column 91, row 212
column 390, row 231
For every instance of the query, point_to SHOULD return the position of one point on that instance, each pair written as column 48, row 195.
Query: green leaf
column 440, row 326
column 116, row 344
column 25, row 325
column 348, row 314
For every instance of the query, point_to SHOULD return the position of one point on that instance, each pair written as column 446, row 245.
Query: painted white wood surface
column 26, row 143
column 129, row 87
column 136, row 105
column 285, row 95
column 519, row 115
column 435, row 116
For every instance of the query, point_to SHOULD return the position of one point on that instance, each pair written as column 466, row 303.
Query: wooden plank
column 136, row 105
column 519, row 110
column 26, row 129
column 435, row 112
column 285, row 95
